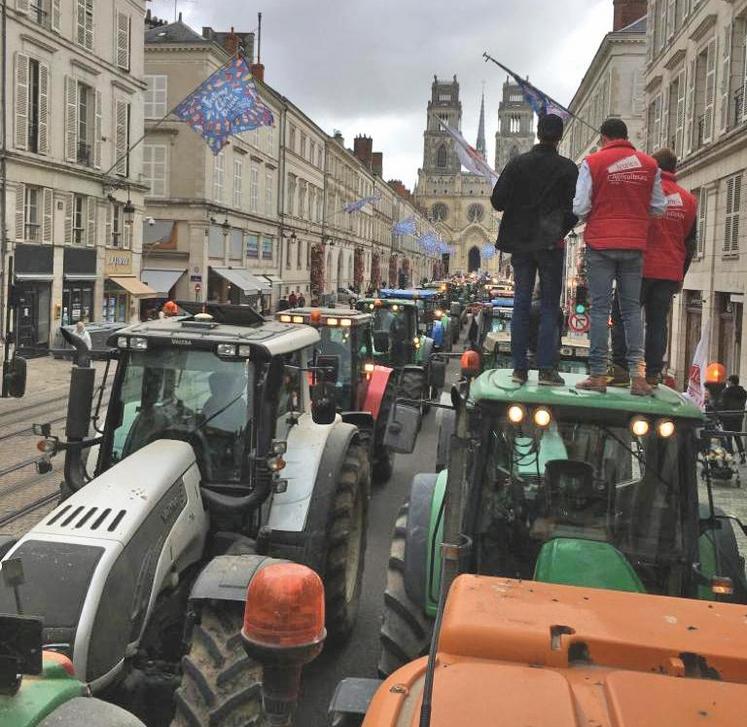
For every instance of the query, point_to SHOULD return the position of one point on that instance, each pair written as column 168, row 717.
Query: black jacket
column 535, row 193
column 732, row 398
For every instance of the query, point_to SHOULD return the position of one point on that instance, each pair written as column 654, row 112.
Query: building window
column 79, row 219
column 252, row 246
column 84, row 23
column 254, row 188
column 238, row 173
column 116, row 225
column 298, row 254
column 292, row 138
column 441, row 157
column 303, row 145
column 44, row 12
column 476, row 212
column 705, row 96
column 676, row 114
column 218, row 176
column 319, row 158
column 312, row 151
column 653, row 126
column 439, row 212
column 733, row 207
column 154, row 168
column 32, row 120
column 32, row 214
column 269, row 186
column 267, row 248
column 302, row 199
column 156, row 96
column 288, row 249
column 122, row 38
column 291, row 203
column 85, row 123
column 701, row 222
column 122, row 137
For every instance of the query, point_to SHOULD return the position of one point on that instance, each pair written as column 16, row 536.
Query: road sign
column 198, row 287
column 579, row 323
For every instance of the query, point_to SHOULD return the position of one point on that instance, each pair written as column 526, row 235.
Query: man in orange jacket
column 618, row 191
column 671, row 246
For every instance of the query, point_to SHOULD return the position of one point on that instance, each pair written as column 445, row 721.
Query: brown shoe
column 594, row 383
column 618, row 376
column 653, row 381
column 640, row 387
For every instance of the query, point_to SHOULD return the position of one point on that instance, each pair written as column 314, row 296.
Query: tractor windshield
column 501, row 321
column 340, row 346
column 573, row 486
column 394, row 327
column 183, row 394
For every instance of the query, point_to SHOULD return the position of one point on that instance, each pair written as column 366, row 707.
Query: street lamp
column 129, row 212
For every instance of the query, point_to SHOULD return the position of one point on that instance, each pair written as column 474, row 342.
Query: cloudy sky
column 366, row 66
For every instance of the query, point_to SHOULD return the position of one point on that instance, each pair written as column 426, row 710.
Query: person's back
column 733, row 398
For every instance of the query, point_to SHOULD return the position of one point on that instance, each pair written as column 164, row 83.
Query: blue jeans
column 625, row 268
column 549, row 265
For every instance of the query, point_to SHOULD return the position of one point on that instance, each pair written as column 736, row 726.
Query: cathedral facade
column 457, row 202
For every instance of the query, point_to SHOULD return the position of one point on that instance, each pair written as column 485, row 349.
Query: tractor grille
column 91, row 518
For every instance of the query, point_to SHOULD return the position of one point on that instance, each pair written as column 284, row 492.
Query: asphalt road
column 359, row 656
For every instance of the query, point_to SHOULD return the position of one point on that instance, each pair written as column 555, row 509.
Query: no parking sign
column 579, row 322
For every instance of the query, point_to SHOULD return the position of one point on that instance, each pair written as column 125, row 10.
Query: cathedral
column 457, row 202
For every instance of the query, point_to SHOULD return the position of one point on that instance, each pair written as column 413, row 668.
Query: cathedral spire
column 480, row 146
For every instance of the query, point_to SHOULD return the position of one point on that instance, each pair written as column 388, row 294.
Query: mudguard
column 417, row 537
column 446, row 422
column 90, row 711
column 375, row 391
column 226, row 577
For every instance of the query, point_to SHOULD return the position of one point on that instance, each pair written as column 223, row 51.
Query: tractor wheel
column 220, row 684
column 383, row 457
column 346, row 533
column 405, row 632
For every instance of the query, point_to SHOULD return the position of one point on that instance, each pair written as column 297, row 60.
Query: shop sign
column 195, row 278
column 118, row 262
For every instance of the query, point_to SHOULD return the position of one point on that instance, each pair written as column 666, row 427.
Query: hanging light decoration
column 487, row 251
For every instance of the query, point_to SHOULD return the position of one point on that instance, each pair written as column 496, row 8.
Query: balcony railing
column 32, row 232
column 700, row 131
column 738, row 106
column 84, row 153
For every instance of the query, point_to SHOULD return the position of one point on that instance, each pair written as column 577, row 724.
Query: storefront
column 122, row 289
column 237, row 286
column 33, row 268
column 164, row 283
column 79, row 279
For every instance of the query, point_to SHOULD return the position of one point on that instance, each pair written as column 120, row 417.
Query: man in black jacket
column 535, row 193
column 731, row 400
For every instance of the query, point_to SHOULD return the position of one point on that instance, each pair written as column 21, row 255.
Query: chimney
column 627, row 12
column 258, row 71
column 377, row 163
column 363, row 150
column 338, row 137
column 231, row 43
column 400, row 189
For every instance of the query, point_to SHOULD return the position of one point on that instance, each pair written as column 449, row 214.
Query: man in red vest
column 618, row 191
column 672, row 241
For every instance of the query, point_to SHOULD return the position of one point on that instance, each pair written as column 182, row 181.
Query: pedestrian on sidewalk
column 671, row 246
column 619, row 190
column 535, row 193
column 292, row 299
column 733, row 399
column 301, row 301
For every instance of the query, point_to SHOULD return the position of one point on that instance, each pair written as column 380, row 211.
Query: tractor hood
column 554, row 656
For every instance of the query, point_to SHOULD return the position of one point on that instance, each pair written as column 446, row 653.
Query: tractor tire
column 383, row 462
column 405, row 632
column 346, row 548
column 220, row 684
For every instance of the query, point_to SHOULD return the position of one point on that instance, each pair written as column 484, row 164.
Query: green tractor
column 565, row 487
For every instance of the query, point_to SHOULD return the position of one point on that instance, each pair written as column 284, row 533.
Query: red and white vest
column 665, row 255
column 622, row 183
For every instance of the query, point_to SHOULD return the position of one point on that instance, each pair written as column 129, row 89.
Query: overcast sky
column 366, row 67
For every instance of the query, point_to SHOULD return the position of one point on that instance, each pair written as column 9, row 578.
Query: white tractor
column 220, row 455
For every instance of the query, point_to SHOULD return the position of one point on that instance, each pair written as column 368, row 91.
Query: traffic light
column 582, row 299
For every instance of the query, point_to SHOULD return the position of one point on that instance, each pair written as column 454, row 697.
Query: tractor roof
column 409, row 294
column 496, row 385
column 502, row 302
column 371, row 303
column 293, row 315
column 271, row 336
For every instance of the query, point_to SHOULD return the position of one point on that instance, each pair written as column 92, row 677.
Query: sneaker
column 593, row 383
column 519, row 376
column 653, row 381
column 618, row 376
column 640, row 387
column 550, row 377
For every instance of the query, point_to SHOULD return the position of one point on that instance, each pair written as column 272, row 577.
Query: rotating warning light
column 715, row 373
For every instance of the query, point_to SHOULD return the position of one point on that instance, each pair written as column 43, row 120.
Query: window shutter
column 69, row 218
column 56, row 15
column 744, row 81
column 89, row 26
column 98, row 132
column 108, row 228
column 22, row 6
column 126, row 235
column 43, row 108
column 664, row 138
column 710, row 92
column 671, row 11
column 71, row 118
column 120, row 137
column 122, row 41
column 48, row 218
column 91, row 205
column 22, row 102
column 690, row 107
column 725, row 79
column 680, row 122
column 80, row 21
column 20, row 211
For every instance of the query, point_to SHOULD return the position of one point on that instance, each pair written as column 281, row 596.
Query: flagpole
column 549, row 98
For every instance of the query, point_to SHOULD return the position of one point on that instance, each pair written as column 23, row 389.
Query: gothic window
column 475, row 212
column 439, row 212
column 441, row 157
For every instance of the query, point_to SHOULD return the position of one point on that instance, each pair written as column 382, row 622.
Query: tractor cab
column 396, row 329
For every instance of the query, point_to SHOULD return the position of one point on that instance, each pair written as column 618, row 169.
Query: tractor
column 564, row 487
column 364, row 390
column 400, row 341
column 217, row 461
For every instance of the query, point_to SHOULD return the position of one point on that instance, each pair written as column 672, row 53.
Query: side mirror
column 381, row 341
column 323, row 404
column 402, row 428
column 80, row 401
column 330, row 366
column 15, row 377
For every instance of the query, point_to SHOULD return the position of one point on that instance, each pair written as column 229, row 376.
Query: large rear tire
column 405, row 632
column 346, row 547
column 220, row 684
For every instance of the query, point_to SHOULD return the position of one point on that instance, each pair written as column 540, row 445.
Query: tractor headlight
column 516, row 413
column 639, row 426
column 542, row 417
column 226, row 349
column 665, row 428
column 138, row 343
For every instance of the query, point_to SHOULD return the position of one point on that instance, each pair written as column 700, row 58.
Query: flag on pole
column 359, row 204
column 405, row 227
column 696, row 389
column 540, row 102
column 469, row 157
column 227, row 103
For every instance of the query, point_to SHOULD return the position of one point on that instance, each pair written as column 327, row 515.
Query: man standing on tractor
column 671, row 246
column 618, row 191
column 535, row 194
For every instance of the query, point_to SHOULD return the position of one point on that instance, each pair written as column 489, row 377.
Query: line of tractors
column 564, row 566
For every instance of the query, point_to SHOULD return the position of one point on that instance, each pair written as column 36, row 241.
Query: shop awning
column 273, row 279
column 40, row 277
column 133, row 286
column 243, row 280
column 80, row 276
column 162, row 281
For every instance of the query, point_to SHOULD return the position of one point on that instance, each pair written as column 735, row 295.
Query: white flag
column 469, row 158
column 696, row 389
